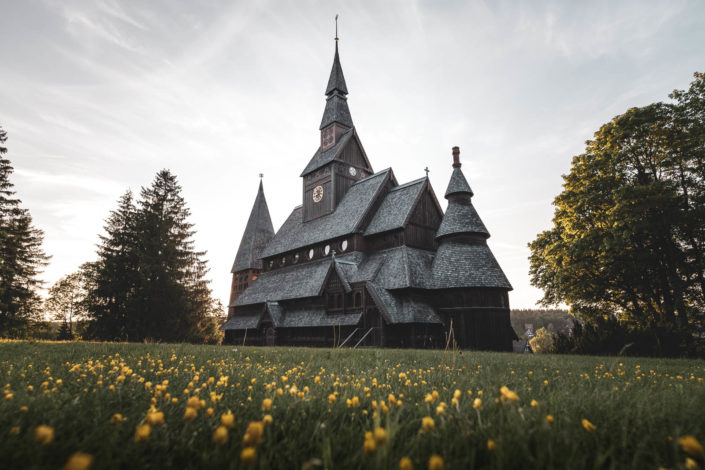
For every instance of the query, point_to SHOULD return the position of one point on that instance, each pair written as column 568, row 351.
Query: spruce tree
column 21, row 255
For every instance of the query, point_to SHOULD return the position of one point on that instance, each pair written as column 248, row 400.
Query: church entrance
column 270, row 335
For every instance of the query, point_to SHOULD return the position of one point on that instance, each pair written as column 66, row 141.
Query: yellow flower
column 24, row 409
column 457, row 394
column 266, row 404
column 253, row 434
column 690, row 464
column 355, row 402
column 508, row 394
column 78, row 461
column 156, row 418
column 220, row 435
column 227, row 419
column 248, row 455
column 436, row 463
column 369, row 446
column 14, row 430
column 690, row 445
column 116, row 418
column 8, row 396
column 491, row 445
column 549, row 419
column 405, row 464
column 380, row 436
column 190, row 413
column 588, row 425
column 534, row 403
column 267, row 420
column 477, row 403
column 43, row 434
column 428, row 424
column 209, row 412
column 194, row 403
column 142, row 432
column 440, row 410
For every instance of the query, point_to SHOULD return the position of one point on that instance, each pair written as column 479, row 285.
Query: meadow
column 103, row 405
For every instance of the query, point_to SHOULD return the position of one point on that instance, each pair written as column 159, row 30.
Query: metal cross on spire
column 261, row 175
column 336, row 27
column 427, row 171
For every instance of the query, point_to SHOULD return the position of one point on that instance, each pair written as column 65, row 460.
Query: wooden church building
column 365, row 260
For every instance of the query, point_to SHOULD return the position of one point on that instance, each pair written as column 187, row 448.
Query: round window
column 310, row 253
column 296, row 258
column 283, row 262
column 326, row 250
column 271, row 263
column 344, row 245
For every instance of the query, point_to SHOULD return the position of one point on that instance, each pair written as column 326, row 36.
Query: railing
column 363, row 338
column 348, row 338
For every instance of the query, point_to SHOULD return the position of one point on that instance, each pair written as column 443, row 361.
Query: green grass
column 639, row 407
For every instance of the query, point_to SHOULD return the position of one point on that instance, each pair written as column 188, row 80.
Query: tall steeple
column 336, row 110
column 258, row 232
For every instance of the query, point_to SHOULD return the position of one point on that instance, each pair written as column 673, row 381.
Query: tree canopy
column 21, row 255
column 148, row 281
column 628, row 235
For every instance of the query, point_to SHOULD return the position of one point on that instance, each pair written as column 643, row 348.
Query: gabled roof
column 258, row 233
column 461, row 217
column 336, row 81
column 291, row 282
column 460, row 264
column 458, row 184
column 396, row 207
column 406, row 308
column 321, row 157
column 346, row 219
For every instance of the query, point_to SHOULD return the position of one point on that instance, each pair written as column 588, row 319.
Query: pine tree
column 21, row 255
column 149, row 282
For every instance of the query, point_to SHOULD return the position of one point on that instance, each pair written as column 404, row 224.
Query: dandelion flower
column 690, row 464
column 405, row 464
column 266, row 404
column 508, row 394
column 331, row 398
column 253, row 434
column 78, row 461
column 477, row 403
column 690, row 446
column 209, row 412
column 43, row 434
column 369, row 446
column 248, row 455
column 190, row 413
column 534, row 403
column 436, row 463
column 549, row 419
column 220, row 435
column 428, row 424
column 227, row 419
column 142, row 432
column 14, row 430
column 588, row 425
column 116, row 418
column 380, row 436
column 440, row 410
column 156, row 418
column 491, row 445
column 267, row 420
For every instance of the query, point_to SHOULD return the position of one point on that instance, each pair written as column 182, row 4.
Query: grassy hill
column 311, row 408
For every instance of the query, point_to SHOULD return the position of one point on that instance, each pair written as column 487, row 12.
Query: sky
column 98, row 96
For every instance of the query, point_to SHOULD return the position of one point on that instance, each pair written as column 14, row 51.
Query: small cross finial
column 336, row 27
column 261, row 175
column 427, row 171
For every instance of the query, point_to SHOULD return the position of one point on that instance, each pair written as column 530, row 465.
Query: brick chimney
column 456, row 157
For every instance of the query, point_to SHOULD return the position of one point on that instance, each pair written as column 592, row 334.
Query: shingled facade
column 366, row 260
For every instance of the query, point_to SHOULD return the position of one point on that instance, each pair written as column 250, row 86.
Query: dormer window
column 327, row 136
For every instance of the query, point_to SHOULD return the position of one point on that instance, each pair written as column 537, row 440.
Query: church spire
column 336, row 92
column 258, row 233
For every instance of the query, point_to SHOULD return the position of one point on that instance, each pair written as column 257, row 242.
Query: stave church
column 366, row 261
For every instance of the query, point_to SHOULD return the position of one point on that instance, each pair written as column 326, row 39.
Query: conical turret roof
column 337, row 103
column 336, row 81
column 458, row 184
column 258, row 233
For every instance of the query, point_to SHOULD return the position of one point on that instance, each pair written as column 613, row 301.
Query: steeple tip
column 456, row 157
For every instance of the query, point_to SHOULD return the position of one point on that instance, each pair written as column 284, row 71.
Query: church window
column 358, row 299
column 310, row 253
column 283, row 261
column 326, row 250
column 327, row 137
column 344, row 245
column 338, row 301
column 296, row 258
column 271, row 264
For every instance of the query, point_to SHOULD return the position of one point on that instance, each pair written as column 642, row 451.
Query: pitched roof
column 396, row 268
column 460, row 264
column 258, row 232
column 461, row 217
column 291, row 282
column 458, row 184
column 336, row 81
column 396, row 207
column 321, row 157
column 346, row 219
column 242, row 322
column 336, row 110
column 311, row 317
column 402, row 308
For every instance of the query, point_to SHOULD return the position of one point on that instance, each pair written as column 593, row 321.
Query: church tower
column 258, row 232
column 340, row 160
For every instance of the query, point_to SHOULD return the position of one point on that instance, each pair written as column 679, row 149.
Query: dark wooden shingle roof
column 460, row 264
column 258, row 233
column 396, row 207
column 461, row 217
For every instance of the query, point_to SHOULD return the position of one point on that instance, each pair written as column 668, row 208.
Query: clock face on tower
column 352, row 171
column 317, row 193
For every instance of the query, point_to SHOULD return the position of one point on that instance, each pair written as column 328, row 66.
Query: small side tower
column 258, row 233
column 472, row 289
